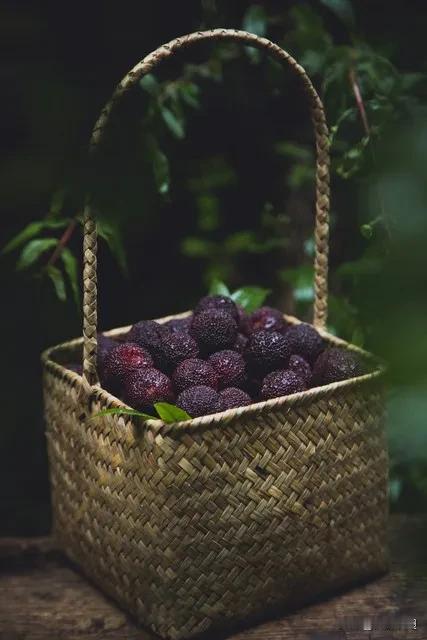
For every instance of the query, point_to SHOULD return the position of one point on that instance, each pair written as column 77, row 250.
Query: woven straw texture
column 193, row 525
column 223, row 517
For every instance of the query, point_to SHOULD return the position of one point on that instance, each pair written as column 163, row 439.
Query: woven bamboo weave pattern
column 190, row 526
column 193, row 525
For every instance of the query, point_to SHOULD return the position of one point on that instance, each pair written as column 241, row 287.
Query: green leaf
column 110, row 232
column 72, row 271
column 58, row 282
column 150, row 84
column 170, row 413
column 208, row 209
column 343, row 9
column 219, row 288
column 301, row 279
column 122, row 411
column 57, row 202
column 250, row 298
column 194, row 247
column 175, row 125
column 255, row 20
column 161, row 170
column 395, row 489
column 366, row 230
column 190, row 94
column 33, row 250
column 31, row 230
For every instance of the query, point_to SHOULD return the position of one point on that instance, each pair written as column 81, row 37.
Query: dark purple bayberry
column 121, row 361
column 230, row 367
column 241, row 343
column 104, row 346
column 281, row 383
column 177, row 347
column 267, row 319
column 213, row 330
column 231, row 398
column 179, row 325
column 303, row 340
column 217, row 303
column 266, row 351
column 253, row 387
column 301, row 367
column 144, row 387
column 199, row 401
column 244, row 320
column 194, row 372
column 148, row 334
column 336, row 364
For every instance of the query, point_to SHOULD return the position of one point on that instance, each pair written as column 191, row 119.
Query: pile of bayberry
column 220, row 357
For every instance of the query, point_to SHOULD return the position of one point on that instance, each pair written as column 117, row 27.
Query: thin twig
column 62, row 242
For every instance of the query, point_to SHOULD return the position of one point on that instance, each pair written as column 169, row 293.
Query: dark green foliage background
column 208, row 173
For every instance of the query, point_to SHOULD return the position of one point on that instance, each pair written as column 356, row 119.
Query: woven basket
column 226, row 517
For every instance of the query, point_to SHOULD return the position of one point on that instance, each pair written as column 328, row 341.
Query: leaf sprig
column 250, row 298
column 167, row 412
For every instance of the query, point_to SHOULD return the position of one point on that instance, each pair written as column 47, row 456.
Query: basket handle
column 322, row 181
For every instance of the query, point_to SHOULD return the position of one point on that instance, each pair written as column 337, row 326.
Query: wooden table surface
column 43, row 596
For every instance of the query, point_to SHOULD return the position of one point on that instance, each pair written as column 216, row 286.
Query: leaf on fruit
column 170, row 413
column 58, row 282
column 33, row 250
column 250, row 298
column 119, row 411
column 219, row 288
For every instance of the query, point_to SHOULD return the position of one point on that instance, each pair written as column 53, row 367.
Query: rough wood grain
column 42, row 596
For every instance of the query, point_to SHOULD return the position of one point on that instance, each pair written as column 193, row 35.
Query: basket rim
column 263, row 407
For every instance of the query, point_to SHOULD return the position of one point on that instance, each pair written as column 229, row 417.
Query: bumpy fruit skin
column 143, row 387
column 121, row 361
column 301, row 367
column 231, row 398
column 179, row 325
column 217, row 303
column 177, row 347
column 194, row 372
column 213, row 330
column 230, row 367
column 241, row 343
column 244, row 321
column 267, row 319
column 336, row 364
column 266, row 351
column 148, row 334
column 105, row 344
column 281, row 383
column 304, row 341
column 199, row 401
